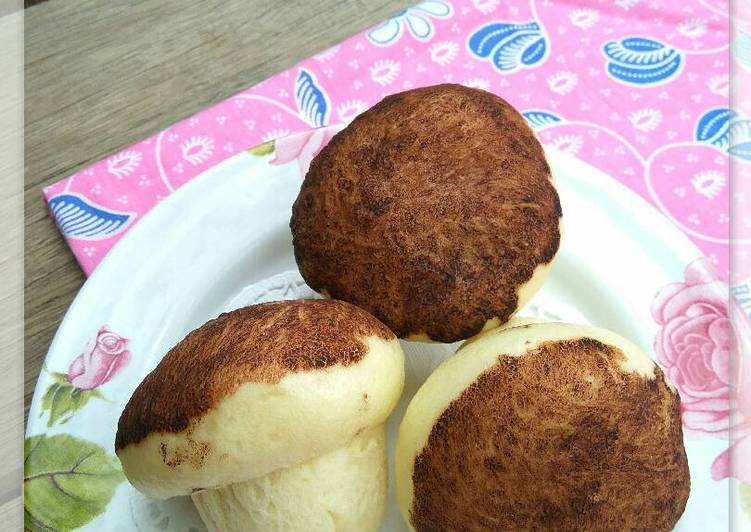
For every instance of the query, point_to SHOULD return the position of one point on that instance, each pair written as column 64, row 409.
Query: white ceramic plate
column 223, row 241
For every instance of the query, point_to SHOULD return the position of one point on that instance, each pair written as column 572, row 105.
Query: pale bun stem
column 343, row 491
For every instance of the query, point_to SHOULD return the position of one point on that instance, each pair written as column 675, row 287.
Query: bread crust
column 260, row 343
column 430, row 210
column 560, row 438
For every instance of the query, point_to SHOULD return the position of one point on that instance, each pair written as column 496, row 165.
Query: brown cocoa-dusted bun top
column 570, row 435
column 430, row 210
column 261, row 343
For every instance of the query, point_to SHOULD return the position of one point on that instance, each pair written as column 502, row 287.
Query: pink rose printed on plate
column 693, row 346
column 100, row 362
column 300, row 147
column 734, row 461
column 701, row 346
column 102, row 359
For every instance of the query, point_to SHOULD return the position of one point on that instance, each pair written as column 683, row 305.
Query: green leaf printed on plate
column 267, row 148
column 62, row 399
column 67, row 482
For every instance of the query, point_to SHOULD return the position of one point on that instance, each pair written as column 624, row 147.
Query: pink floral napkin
column 638, row 88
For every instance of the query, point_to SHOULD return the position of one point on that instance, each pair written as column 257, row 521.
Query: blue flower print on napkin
column 415, row 19
column 641, row 61
column 510, row 46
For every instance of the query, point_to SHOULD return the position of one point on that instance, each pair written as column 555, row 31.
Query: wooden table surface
column 101, row 75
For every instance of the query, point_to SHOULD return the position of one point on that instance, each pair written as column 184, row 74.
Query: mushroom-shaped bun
column 543, row 426
column 271, row 417
column 435, row 211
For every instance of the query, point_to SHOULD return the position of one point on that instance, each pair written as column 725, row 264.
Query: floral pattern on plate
column 99, row 363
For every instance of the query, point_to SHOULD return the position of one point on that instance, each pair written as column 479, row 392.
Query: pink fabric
column 741, row 169
column 644, row 135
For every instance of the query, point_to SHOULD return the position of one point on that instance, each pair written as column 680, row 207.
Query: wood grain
column 11, row 269
column 101, row 75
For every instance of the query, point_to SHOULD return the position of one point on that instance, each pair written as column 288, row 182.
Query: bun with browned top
column 271, row 417
column 434, row 210
column 543, row 426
